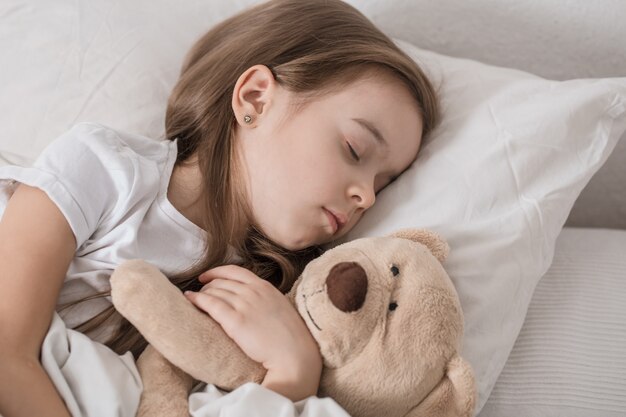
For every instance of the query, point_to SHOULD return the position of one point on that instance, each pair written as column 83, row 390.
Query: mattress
column 570, row 356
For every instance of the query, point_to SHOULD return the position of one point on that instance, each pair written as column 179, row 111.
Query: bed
column 527, row 170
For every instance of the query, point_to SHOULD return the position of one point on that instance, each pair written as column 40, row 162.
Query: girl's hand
column 265, row 325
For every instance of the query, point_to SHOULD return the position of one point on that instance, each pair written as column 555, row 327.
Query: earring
column 247, row 118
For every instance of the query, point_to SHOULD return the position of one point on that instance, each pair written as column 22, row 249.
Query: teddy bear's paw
column 130, row 275
column 139, row 291
column 453, row 396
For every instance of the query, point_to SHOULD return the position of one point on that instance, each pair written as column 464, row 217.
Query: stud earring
column 247, row 119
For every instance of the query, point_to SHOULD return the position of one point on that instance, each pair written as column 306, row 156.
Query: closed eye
column 353, row 152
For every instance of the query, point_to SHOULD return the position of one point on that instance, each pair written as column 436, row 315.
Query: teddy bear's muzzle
column 346, row 286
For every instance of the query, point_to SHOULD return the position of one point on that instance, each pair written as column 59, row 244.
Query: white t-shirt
column 111, row 187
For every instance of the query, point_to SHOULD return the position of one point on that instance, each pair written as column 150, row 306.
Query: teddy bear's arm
column 187, row 337
column 454, row 396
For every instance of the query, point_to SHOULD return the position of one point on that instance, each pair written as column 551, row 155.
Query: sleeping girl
column 285, row 123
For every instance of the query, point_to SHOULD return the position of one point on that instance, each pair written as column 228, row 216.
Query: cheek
column 355, row 219
column 318, row 175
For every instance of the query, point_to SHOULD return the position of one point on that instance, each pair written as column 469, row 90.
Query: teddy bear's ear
column 437, row 245
column 454, row 396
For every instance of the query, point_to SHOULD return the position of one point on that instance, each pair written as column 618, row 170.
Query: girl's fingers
column 233, row 272
column 217, row 305
column 212, row 301
column 229, row 295
column 234, row 287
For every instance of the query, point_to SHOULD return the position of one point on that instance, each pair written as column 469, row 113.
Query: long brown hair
column 311, row 47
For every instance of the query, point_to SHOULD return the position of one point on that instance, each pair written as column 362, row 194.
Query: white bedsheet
column 570, row 357
column 94, row 381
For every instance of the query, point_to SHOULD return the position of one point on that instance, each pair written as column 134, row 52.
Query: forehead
column 380, row 105
column 375, row 99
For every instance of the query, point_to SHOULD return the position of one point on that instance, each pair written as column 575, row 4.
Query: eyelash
column 353, row 152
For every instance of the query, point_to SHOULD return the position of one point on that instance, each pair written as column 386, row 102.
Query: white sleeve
column 84, row 172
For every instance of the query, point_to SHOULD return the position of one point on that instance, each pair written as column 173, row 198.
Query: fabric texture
column 95, row 382
column 497, row 179
column 569, row 358
column 112, row 189
column 92, row 380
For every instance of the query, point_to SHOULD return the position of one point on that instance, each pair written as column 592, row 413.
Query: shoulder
column 116, row 162
column 101, row 172
column 91, row 153
column 95, row 174
column 110, row 144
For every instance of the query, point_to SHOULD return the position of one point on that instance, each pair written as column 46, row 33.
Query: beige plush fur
column 383, row 311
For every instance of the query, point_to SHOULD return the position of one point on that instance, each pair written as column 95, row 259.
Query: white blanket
column 94, row 381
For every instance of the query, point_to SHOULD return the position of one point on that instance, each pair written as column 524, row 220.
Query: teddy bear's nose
column 346, row 286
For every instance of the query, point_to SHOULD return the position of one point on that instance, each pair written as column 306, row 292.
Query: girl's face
column 312, row 173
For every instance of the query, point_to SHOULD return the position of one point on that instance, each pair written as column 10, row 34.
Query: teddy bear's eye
column 394, row 270
column 393, row 306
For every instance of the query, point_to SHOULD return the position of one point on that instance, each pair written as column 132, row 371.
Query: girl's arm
column 265, row 325
column 36, row 248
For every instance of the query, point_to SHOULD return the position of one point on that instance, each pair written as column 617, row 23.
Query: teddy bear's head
column 387, row 320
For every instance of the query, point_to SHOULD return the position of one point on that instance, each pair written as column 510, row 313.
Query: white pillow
column 497, row 179
column 111, row 62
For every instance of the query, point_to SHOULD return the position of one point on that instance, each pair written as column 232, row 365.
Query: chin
column 291, row 240
column 294, row 243
column 288, row 241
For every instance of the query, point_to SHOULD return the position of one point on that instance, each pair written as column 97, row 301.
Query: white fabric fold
column 92, row 379
column 96, row 382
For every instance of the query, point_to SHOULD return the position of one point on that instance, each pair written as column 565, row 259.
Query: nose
column 346, row 286
column 364, row 195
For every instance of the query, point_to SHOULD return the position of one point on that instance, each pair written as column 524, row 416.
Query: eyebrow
column 372, row 129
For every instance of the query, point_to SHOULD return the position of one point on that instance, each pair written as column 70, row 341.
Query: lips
column 336, row 220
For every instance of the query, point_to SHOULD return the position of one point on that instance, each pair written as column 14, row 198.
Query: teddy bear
column 383, row 311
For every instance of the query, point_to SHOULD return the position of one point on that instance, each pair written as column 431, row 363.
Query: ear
column 252, row 93
column 437, row 245
column 454, row 396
